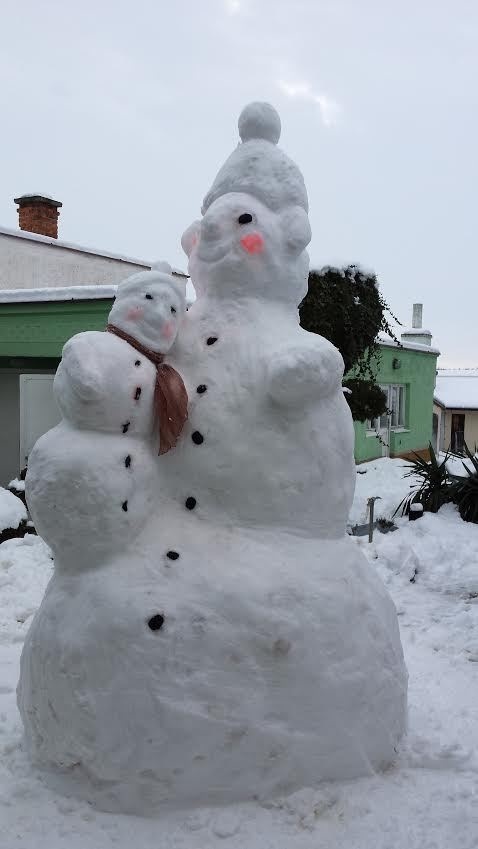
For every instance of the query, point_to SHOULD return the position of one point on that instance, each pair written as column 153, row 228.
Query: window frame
column 374, row 426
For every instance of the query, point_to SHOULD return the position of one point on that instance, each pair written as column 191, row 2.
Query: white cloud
column 233, row 6
column 329, row 108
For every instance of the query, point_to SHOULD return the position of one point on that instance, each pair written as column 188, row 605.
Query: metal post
column 371, row 505
column 370, row 521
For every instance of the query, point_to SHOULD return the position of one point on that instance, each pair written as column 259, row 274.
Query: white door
column 38, row 411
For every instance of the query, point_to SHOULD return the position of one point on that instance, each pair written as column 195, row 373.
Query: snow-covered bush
column 465, row 489
column 17, row 486
column 13, row 516
column 439, row 485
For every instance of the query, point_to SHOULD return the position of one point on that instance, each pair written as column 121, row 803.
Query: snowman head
column 150, row 307
column 251, row 240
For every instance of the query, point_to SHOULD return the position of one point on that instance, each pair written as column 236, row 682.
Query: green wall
column 41, row 329
column 32, row 332
column 417, row 371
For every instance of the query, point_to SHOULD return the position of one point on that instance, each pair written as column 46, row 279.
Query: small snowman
column 93, row 476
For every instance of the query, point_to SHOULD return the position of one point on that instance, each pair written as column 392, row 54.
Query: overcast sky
column 125, row 111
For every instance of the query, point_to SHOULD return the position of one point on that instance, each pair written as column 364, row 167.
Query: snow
column 456, row 465
column 457, row 389
column 85, row 292
column 35, row 195
column 17, row 484
column 385, row 340
column 12, row 510
column 427, row 800
column 383, row 478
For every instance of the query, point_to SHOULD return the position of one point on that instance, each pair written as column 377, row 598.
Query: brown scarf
column 170, row 395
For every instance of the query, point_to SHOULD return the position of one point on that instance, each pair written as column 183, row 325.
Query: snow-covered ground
column 428, row 800
column 382, row 478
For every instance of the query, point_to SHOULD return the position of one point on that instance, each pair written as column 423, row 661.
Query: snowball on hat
column 258, row 167
column 259, row 121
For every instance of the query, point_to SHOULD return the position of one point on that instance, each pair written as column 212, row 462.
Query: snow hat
column 160, row 274
column 258, row 167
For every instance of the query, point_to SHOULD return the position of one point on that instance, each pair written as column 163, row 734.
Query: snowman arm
column 304, row 375
column 84, row 364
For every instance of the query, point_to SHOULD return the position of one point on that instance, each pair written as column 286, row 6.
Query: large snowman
column 239, row 646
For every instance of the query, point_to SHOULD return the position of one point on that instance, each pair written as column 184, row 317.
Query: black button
column 201, row 388
column 156, row 622
column 137, row 394
column 127, row 461
column 124, row 506
column 173, row 555
column 126, row 426
column 137, row 362
column 197, row 437
column 211, row 340
column 190, row 503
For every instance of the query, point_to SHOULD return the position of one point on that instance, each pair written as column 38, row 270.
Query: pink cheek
column 168, row 330
column 253, row 243
column 135, row 313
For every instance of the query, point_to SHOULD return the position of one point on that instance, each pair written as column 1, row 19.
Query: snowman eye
column 173, row 309
column 148, row 297
column 245, row 218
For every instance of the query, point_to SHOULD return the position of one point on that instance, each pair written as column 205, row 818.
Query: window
column 396, row 401
column 395, row 412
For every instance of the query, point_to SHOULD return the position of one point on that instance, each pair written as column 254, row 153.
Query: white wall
column 31, row 263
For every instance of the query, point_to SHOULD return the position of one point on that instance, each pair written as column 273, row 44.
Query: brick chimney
column 38, row 214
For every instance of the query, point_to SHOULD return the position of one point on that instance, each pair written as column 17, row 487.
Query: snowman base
column 277, row 672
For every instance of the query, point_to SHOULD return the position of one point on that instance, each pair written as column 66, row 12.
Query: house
column 406, row 372
column 455, row 410
column 49, row 290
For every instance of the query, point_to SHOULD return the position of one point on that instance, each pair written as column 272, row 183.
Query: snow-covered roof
column 71, row 246
column 457, row 389
column 89, row 292
column 57, row 293
column 416, row 331
column 35, row 195
column 409, row 346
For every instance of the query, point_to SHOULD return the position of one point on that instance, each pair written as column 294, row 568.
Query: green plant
column 367, row 401
column 434, row 487
column 465, row 489
column 345, row 306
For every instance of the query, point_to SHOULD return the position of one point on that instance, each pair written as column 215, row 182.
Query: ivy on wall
column 345, row 306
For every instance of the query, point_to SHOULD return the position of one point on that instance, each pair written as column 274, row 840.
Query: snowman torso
column 237, row 429
column 104, row 384
column 93, row 476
